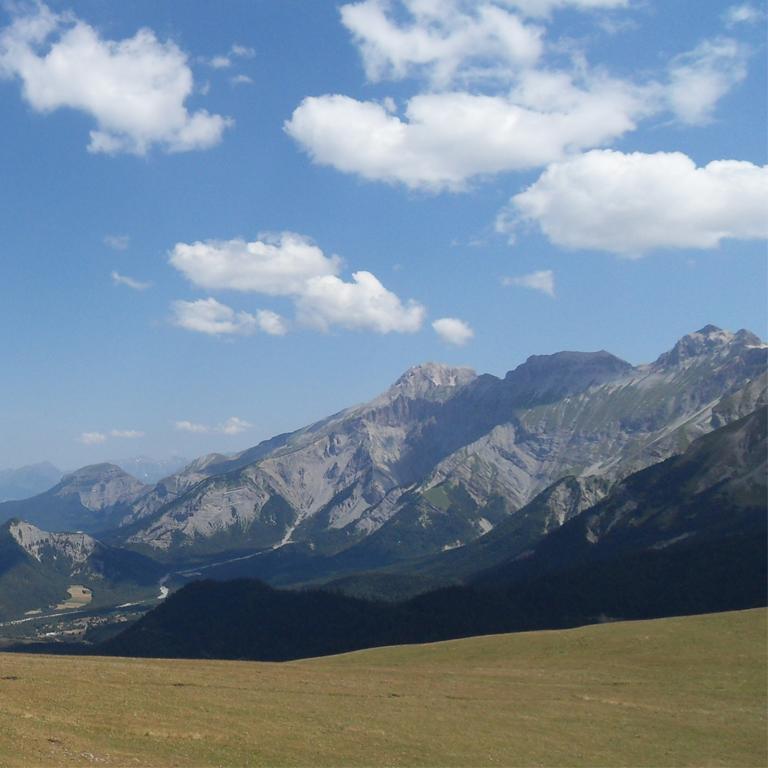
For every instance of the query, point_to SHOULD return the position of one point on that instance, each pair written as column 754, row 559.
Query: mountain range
column 444, row 455
column 684, row 536
column 454, row 478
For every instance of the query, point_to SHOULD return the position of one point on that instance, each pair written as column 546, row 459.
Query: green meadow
column 671, row 692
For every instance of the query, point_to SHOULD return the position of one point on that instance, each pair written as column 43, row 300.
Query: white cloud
column 211, row 317
column 278, row 266
column 362, row 304
column 128, row 434
column 220, row 62
column 134, row 88
column 232, row 426
column 492, row 107
column 242, row 51
column 224, row 61
column 746, row 13
column 92, row 438
column 242, row 80
column 137, row 285
column 700, row 78
column 453, row 331
column 542, row 280
column 445, row 139
column 191, row 426
column 286, row 265
column 542, row 8
column 448, row 39
column 632, row 203
column 216, row 319
column 117, row 242
column 271, row 323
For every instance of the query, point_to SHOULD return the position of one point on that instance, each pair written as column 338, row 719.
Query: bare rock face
column 100, row 485
column 75, row 548
column 430, row 381
column 444, row 455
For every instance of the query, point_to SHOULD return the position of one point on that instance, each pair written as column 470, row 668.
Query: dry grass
column 671, row 692
column 79, row 596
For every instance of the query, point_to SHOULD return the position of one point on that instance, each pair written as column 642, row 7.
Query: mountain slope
column 685, row 536
column 444, row 456
column 91, row 499
column 37, row 567
column 716, row 490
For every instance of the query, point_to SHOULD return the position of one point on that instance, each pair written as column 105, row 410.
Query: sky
column 223, row 221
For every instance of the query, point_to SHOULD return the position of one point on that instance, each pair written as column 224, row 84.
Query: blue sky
column 223, row 221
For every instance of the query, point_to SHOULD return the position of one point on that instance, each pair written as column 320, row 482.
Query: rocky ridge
column 444, row 455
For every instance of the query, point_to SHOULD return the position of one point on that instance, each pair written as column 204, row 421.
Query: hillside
column 37, row 568
column 674, row 692
column 713, row 491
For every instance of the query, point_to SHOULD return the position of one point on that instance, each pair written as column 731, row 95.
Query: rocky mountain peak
column 100, row 485
column 545, row 378
column 430, row 381
column 709, row 341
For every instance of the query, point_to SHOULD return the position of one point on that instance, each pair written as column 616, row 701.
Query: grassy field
column 688, row 691
column 79, row 597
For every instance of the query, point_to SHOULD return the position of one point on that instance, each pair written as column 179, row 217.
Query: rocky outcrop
column 75, row 548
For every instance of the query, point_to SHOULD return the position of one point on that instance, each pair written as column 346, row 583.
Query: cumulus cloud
column 92, row 438
column 135, row 89
column 362, row 304
column 701, row 77
column 445, row 139
column 446, row 40
column 277, row 266
column 136, row 285
column 232, row 426
column 216, row 319
column 117, row 242
column 453, row 331
column 286, row 265
column 632, row 203
column 498, row 101
column 541, row 280
column 127, row 434
column 270, row 322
